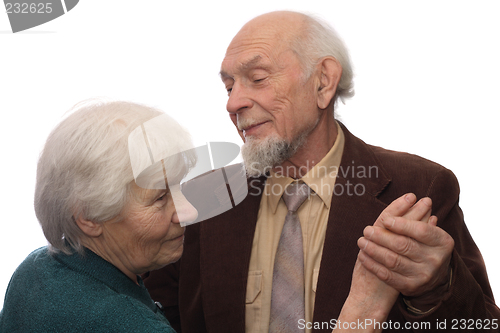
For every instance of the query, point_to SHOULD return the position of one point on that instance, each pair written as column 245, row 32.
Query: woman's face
column 147, row 235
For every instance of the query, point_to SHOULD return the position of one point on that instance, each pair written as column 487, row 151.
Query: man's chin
column 261, row 154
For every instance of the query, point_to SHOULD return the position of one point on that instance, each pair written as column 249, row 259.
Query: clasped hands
column 403, row 252
column 407, row 251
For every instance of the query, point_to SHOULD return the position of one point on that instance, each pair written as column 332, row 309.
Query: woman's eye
column 162, row 197
column 259, row 80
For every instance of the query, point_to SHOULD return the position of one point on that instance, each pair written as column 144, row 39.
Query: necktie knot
column 295, row 194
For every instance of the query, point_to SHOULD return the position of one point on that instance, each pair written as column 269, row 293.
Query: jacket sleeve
column 469, row 299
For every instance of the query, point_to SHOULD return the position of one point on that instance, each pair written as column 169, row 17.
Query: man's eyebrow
column 223, row 75
column 242, row 67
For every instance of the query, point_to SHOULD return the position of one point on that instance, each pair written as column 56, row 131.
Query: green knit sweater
column 61, row 293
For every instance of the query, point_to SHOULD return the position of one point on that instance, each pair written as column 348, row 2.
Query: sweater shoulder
column 46, row 296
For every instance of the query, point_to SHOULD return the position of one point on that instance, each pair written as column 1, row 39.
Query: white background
column 427, row 82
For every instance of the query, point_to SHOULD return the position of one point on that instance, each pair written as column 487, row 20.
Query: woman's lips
column 177, row 237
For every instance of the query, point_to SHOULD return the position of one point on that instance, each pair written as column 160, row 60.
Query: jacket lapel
column 360, row 180
column 226, row 245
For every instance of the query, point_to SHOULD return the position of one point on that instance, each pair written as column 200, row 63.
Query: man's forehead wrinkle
column 241, row 46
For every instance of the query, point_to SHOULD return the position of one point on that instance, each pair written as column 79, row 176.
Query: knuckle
column 383, row 274
column 434, row 262
column 403, row 245
column 424, row 278
column 449, row 243
column 384, row 216
column 392, row 260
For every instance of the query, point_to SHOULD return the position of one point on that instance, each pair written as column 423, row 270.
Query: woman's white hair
column 84, row 169
column 317, row 40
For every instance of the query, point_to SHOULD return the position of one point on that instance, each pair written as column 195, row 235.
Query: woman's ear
column 89, row 228
column 331, row 71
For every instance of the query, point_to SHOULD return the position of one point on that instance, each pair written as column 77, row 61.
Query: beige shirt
column 313, row 215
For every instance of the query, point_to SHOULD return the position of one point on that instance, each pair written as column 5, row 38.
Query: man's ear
column 89, row 228
column 331, row 71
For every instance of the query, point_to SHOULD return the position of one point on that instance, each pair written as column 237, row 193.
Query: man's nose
column 239, row 99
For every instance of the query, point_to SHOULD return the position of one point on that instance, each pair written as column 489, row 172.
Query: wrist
column 361, row 307
column 427, row 302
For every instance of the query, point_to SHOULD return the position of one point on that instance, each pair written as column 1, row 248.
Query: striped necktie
column 287, row 297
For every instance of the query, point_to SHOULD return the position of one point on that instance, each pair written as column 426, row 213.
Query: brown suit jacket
column 205, row 291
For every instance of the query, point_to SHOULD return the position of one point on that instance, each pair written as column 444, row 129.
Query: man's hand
column 408, row 251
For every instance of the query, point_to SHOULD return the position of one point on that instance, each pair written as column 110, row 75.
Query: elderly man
column 247, row 269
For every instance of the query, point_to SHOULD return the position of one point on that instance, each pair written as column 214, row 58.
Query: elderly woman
column 111, row 209
column 103, row 229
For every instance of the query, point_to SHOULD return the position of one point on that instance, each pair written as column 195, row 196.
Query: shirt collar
column 321, row 178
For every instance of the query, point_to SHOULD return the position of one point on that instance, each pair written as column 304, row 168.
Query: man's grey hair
column 318, row 40
column 85, row 171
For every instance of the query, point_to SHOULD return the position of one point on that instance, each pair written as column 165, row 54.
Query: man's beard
column 262, row 155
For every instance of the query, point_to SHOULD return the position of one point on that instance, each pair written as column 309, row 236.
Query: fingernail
column 426, row 201
column 362, row 243
column 369, row 232
column 410, row 197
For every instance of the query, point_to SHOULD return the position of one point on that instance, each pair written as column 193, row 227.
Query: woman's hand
column 370, row 301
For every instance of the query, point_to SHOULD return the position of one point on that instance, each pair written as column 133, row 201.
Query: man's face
column 268, row 95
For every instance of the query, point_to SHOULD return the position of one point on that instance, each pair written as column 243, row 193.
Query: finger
column 433, row 220
column 424, row 233
column 404, row 284
column 398, row 243
column 398, row 207
column 377, row 269
column 427, row 216
column 386, row 257
column 421, row 211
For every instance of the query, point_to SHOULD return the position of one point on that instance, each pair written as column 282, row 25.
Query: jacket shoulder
column 413, row 173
